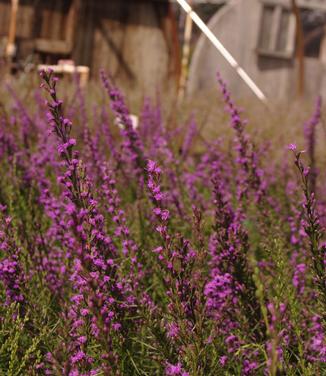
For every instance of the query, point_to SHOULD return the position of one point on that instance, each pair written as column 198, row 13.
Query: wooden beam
column 70, row 69
column 323, row 48
column 185, row 57
column 53, row 46
column 10, row 48
column 71, row 21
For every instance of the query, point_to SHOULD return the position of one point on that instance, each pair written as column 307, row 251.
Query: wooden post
column 299, row 47
column 10, row 48
column 323, row 48
column 71, row 21
column 185, row 57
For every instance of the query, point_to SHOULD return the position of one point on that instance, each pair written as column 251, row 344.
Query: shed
column 136, row 41
column 261, row 35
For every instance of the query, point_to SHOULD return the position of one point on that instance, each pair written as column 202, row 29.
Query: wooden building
column 262, row 36
column 135, row 41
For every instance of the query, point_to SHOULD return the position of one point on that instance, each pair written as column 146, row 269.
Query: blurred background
column 153, row 48
column 151, row 44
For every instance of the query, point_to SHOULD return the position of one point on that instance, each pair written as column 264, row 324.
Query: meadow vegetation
column 175, row 248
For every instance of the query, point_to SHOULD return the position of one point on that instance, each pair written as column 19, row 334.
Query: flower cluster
column 154, row 250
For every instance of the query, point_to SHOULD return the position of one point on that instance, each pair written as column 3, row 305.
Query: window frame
column 272, row 51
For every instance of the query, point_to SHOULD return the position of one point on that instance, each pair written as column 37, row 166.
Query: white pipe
column 219, row 46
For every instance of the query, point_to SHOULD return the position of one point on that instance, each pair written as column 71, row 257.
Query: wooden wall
column 36, row 18
column 136, row 41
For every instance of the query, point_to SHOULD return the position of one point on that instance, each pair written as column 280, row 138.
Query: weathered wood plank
column 46, row 16
column 25, row 17
column 4, row 18
column 53, row 46
column 56, row 21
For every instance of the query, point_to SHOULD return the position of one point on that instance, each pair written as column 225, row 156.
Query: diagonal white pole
column 219, row 46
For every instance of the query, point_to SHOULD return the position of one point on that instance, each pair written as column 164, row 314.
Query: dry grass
column 280, row 124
